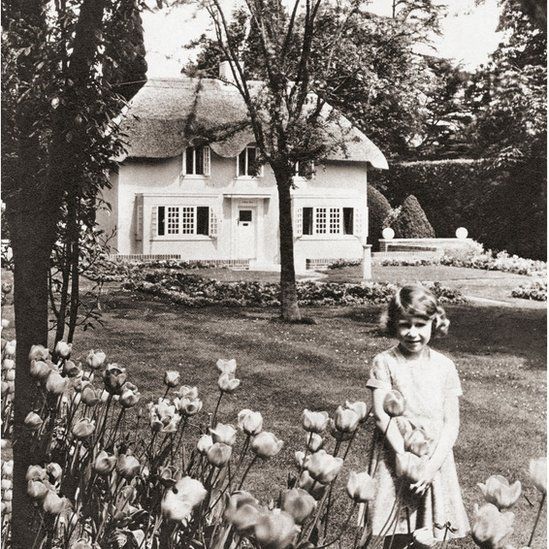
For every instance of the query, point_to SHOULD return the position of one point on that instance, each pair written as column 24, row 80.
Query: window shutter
column 154, row 222
column 214, row 223
column 139, row 221
column 298, row 222
column 358, row 228
column 206, row 159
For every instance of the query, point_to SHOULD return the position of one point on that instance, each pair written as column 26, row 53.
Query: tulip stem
column 246, row 472
column 342, row 529
column 537, row 520
column 382, row 442
column 214, row 417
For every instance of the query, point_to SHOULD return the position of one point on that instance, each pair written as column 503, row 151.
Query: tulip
column 224, row 433
column 129, row 396
column 219, row 454
column 497, row 491
column 323, row 467
column 63, row 349
column 361, row 487
column 8, row 364
column 56, row 383
column 53, row 504
column 40, row 369
column 104, row 464
column 127, row 466
column 95, row 359
column 114, row 377
column 71, row 369
column 275, row 529
column 35, row 472
column 336, row 433
column 169, row 475
column 6, row 508
column 394, row 403
column 359, row 407
column 187, row 392
column 423, row 538
column 205, row 442
column 36, row 489
column 299, row 504
column 266, row 445
column 172, row 378
column 300, row 459
column 7, row 495
column 490, row 527
column 38, row 352
column 54, row 471
column 416, row 442
column 227, row 383
column 187, row 406
column 538, row 473
column 314, row 442
column 410, row 466
column 7, row 468
column 250, row 422
column 163, row 416
column 33, row 421
column 5, row 323
column 6, row 287
column 6, row 484
column 9, row 349
column 82, row 543
column 179, row 501
column 315, row 422
column 346, row 420
column 226, row 366
column 307, row 482
column 9, row 375
column 241, row 511
column 90, row 396
column 8, row 387
column 83, row 428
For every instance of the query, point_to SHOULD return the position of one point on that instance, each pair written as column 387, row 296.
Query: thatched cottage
column 178, row 196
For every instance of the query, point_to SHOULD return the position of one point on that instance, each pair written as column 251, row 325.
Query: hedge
column 502, row 208
column 411, row 221
column 378, row 210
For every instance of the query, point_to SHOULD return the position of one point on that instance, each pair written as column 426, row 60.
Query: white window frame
column 187, row 226
column 296, row 171
column 328, row 221
column 206, row 162
column 246, row 175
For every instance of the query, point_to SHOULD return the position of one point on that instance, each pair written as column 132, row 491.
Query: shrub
column 341, row 263
column 536, row 290
column 412, row 221
column 378, row 210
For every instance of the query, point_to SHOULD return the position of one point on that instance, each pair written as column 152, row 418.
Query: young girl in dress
column 428, row 427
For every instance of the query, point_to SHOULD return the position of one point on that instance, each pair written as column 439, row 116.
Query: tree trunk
column 288, row 291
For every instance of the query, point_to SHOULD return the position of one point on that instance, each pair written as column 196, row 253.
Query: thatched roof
column 166, row 115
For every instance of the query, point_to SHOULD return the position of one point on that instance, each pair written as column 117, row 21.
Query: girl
column 428, row 427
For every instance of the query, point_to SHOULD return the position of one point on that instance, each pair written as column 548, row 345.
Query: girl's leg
column 398, row 541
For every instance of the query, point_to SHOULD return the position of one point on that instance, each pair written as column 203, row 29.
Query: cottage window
column 328, row 221
column 304, row 169
column 196, row 161
column 183, row 220
column 246, row 163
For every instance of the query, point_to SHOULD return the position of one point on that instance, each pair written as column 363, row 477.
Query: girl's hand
column 427, row 477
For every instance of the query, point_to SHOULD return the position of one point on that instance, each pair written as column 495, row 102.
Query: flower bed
column 195, row 291
column 536, row 290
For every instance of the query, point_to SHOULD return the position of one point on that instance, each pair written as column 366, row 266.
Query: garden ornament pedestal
column 366, row 261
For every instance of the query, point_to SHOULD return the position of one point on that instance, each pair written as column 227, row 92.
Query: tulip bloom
column 538, row 473
column 307, row 482
column 129, row 396
column 34, row 472
column 410, row 466
column 227, row 383
column 8, row 364
column 104, row 464
column 63, row 349
column 163, row 416
column 300, row 459
column 40, row 369
column 172, row 378
column 346, row 420
column 275, row 529
column 53, row 504
column 38, row 352
column 33, row 421
column 71, row 369
column 219, row 454
column 416, row 442
column 250, row 422
column 95, row 359
column 83, row 428
column 36, row 489
column 299, row 504
column 127, row 466
column 394, row 403
column 361, row 487
column 205, row 442
column 323, row 467
column 360, row 408
column 241, row 511
column 224, row 433
column 187, row 392
column 187, row 406
column 315, row 422
column 90, row 396
column 266, row 445
column 114, row 377
column 226, row 366
column 179, row 501
column 314, row 442
column 82, row 543
column 497, row 491
column 423, row 538
column 54, row 471
column 490, row 527
column 56, row 383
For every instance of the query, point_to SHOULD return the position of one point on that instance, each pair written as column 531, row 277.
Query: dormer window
column 196, row 161
column 304, row 169
column 246, row 163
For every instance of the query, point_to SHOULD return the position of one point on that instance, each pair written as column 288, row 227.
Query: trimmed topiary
column 378, row 210
column 412, row 221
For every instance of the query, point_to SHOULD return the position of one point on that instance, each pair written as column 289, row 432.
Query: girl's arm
column 393, row 434
column 446, row 442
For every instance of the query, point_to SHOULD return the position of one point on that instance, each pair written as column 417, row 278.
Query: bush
column 378, row 210
column 535, row 290
column 412, row 221
column 341, row 263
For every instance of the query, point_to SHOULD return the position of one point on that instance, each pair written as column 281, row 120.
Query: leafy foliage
column 412, row 222
column 534, row 290
column 378, row 210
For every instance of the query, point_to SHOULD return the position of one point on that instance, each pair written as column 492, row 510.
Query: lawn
column 500, row 354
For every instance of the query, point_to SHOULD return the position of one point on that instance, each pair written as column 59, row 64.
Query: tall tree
column 58, row 140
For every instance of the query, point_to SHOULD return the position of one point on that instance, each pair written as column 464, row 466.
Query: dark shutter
column 161, row 220
column 202, row 220
column 189, row 164
column 199, row 161
column 348, row 221
column 242, row 163
column 307, row 221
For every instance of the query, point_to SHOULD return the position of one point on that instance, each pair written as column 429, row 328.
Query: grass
column 500, row 354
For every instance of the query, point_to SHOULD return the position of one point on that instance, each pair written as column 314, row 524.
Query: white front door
column 246, row 222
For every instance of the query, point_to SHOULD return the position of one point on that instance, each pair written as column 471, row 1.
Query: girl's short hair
column 416, row 300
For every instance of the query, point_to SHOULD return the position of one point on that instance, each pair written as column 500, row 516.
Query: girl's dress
column 424, row 383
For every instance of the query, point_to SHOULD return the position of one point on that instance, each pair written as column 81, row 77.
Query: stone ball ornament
column 388, row 233
column 462, row 233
